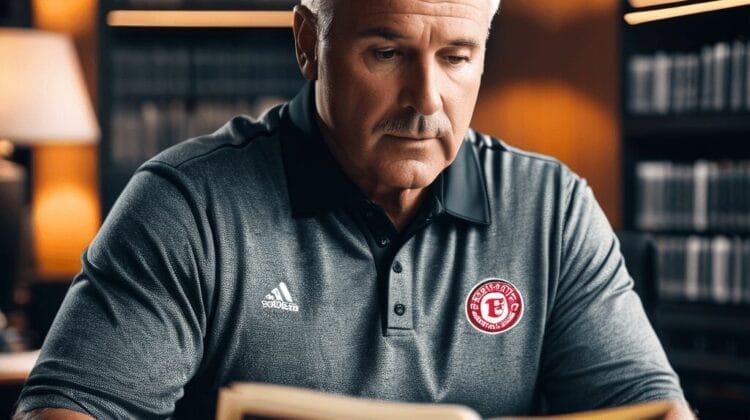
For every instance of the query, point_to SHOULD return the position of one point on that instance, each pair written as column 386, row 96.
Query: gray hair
column 323, row 10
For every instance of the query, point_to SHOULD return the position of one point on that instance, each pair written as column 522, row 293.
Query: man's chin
column 409, row 176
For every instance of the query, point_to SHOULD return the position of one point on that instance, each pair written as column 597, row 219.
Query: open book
column 247, row 401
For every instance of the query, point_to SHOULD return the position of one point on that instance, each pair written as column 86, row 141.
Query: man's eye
column 456, row 59
column 385, row 55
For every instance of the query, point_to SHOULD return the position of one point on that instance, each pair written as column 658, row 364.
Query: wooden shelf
column 708, row 233
column 672, row 11
column 710, row 364
column 687, row 124
column 203, row 5
column 200, row 18
column 704, row 316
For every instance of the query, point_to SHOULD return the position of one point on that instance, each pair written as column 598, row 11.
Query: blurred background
column 648, row 100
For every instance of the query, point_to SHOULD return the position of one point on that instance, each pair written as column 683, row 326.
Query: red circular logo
column 494, row 306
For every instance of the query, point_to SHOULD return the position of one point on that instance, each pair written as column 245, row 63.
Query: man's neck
column 400, row 205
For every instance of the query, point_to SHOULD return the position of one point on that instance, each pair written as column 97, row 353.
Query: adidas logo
column 280, row 298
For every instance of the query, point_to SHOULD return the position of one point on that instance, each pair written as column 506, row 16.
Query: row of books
column 205, row 71
column 714, row 79
column 140, row 130
column 704, row 269
column 701, row 196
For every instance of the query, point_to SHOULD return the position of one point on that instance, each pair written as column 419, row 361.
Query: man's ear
column 306, row 41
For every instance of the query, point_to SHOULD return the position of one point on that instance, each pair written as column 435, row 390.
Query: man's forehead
column 476, row 10
column 464, row 19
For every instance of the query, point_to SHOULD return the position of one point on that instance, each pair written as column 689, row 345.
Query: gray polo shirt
column 245, row 256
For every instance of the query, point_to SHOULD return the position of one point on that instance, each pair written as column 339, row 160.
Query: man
column 359, row 240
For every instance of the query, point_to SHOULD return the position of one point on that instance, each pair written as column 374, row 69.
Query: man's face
column 397, row 84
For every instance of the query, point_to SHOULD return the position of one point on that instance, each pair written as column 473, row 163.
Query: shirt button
column 397, row 268
column 399, row 309
column 384, row 242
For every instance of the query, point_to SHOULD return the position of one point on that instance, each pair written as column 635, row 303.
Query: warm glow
column 635, row 18
column 6, row 148
column 69, row 16
column 201, row 18
column 551, row 117
column 65, row 207
column 557, row 14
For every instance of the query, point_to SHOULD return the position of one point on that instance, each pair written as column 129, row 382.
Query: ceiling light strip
column 201, row 18
column 635, row 18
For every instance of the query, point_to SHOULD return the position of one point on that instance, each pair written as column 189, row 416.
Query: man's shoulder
column 238, row 133
column 494, row 151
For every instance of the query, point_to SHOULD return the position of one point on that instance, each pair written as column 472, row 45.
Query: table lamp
column 44, row 106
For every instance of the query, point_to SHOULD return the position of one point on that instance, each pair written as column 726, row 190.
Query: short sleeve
column 599, row 348
column 129, row 334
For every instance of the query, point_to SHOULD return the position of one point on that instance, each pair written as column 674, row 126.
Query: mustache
column 413, row 124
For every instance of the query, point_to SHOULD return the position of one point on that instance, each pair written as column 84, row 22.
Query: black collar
column 316, row 182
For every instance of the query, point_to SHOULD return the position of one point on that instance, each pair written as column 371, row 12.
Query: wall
column 550, row 86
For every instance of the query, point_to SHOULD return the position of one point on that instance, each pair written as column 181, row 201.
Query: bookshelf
column 685, row 127
column 170, row 70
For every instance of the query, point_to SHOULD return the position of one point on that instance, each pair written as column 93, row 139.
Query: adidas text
column 293, row 307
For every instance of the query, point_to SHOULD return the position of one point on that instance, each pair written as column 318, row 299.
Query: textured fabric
column 171, row 302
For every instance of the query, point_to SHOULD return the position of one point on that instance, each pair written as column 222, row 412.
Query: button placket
column 399, row 303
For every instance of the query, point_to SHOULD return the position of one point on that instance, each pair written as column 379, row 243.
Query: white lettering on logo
column 293, row 307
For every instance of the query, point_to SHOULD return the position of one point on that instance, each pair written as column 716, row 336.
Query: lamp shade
column 43, row 98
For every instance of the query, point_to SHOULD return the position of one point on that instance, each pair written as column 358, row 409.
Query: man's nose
column 421, row 89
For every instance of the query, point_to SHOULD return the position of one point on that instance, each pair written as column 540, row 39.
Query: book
column 244, row 401
column 736, row 89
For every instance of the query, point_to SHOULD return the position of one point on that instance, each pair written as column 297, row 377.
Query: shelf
column 200, row 18
column 192, row 97
column 674, row 11
column 710, row 364
column 654, row 126
column 704, row 316
column 201, row 4
column 642, row 4
column 709, row 233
